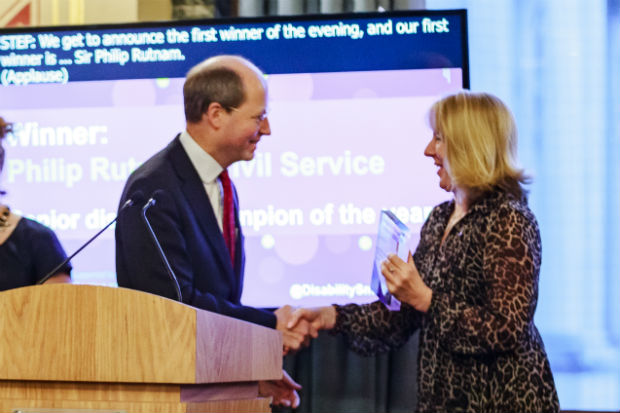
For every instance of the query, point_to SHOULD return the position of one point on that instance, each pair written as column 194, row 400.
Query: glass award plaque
column 392, row 238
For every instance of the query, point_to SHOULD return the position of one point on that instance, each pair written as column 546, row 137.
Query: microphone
column 160, row 250
column 137, row 196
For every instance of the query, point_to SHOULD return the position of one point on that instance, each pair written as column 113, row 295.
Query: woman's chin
column 445, row 186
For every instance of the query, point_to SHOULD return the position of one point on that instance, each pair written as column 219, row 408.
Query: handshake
column 300, row 325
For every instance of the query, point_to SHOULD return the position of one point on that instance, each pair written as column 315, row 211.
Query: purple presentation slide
column 343, row 147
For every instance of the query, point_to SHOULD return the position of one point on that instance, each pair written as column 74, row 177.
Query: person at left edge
column 225, row 100
column 28, row 249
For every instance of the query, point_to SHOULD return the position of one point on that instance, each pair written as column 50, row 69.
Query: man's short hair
column 205, row 86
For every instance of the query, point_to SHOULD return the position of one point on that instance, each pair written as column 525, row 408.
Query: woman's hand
column 320, row 318
column 404, row 282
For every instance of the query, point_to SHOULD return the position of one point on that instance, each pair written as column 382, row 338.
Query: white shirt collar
column 207, row 167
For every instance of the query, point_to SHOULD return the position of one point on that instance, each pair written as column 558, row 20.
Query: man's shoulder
column 157, row 172
column 159, row 165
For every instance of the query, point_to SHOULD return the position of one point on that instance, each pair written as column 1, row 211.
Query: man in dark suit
column 225, row 101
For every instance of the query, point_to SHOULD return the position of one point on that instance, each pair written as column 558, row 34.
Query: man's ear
column 215, row 115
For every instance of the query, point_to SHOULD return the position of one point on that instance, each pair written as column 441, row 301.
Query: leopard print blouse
column 479, row 348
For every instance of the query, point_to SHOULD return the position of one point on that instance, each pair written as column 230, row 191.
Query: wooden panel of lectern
column 69, row 347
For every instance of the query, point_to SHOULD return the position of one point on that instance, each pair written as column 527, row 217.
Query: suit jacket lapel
column 194, row 191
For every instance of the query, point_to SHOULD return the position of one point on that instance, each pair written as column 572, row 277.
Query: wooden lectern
column 65, row 347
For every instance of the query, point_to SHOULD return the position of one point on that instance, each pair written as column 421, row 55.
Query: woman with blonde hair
column 471, row 286
column 28, row 250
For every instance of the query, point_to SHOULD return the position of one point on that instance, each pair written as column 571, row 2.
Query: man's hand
column 283, row 391
column 296, row 337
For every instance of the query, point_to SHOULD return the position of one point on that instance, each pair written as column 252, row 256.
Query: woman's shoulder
column 31, row 230
column 504, row 206
column 517, row 205
column 443, row 209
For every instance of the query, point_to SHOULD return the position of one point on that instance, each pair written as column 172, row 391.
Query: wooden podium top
column 66, row 332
